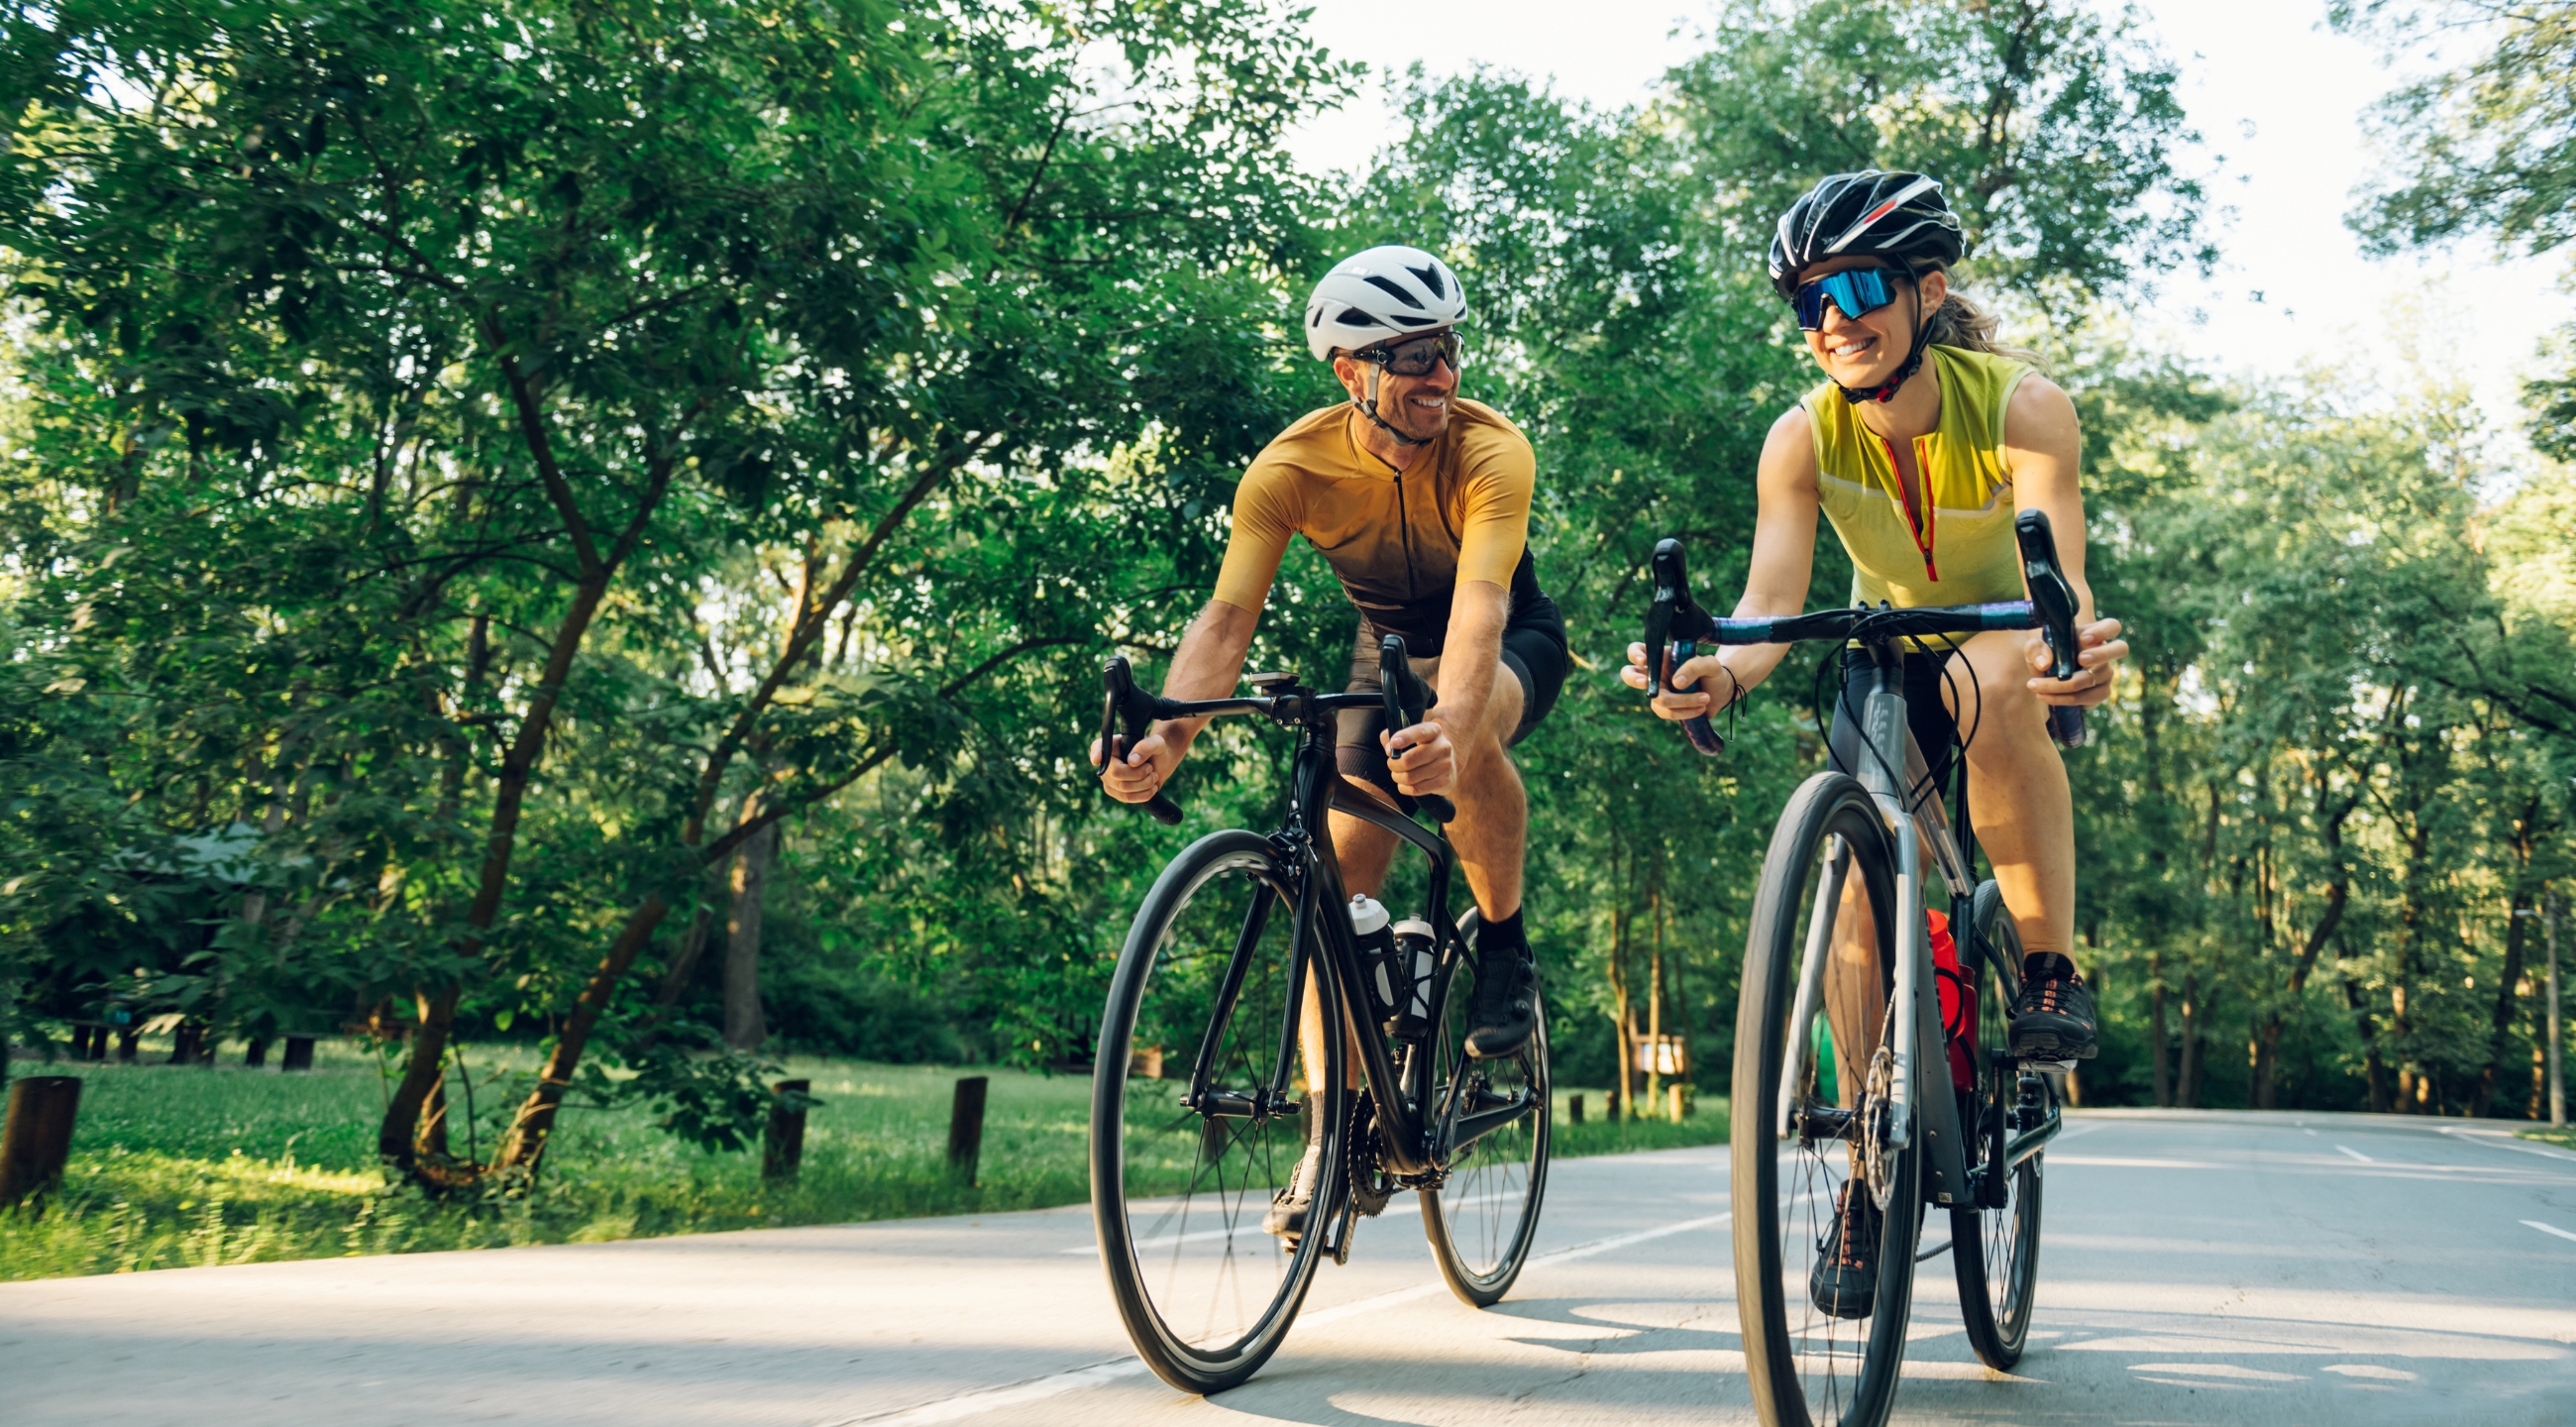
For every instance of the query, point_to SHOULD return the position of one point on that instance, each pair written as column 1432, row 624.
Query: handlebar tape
column 1407, row 700
column 1674, row 626
column 2053, row 600
column 1126, row 704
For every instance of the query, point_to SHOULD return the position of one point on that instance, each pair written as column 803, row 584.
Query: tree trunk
column 2500, row 1024
column 744, row 1026
column 2157, row 1031
column 2187, row 1091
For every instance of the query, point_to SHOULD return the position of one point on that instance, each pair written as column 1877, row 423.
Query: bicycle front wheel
column 1994, row 1243
column 1481, row 1219
column 1203, row 1008
column 1824, row 1321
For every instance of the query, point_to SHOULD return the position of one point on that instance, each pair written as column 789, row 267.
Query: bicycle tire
column 1206, row 1307
column 1995, row 1249
column 1801, row 1362
column 1482, row 1216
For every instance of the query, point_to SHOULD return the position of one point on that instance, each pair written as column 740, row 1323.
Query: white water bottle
column 1377, row 949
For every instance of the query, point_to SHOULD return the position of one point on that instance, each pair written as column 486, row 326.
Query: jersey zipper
column 1917, row 526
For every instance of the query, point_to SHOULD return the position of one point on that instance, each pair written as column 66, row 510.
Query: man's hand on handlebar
column 1137, row 777
column 1697, row 674
column 2102, row 648
column 1421, row 759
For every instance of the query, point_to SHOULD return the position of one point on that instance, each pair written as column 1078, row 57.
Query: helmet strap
column 1886, row 391
column 1368, row 408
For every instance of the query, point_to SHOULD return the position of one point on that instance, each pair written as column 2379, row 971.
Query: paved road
column 2197, row 1268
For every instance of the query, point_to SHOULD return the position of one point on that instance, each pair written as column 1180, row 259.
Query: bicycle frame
column 1893, row 771
column 1421, row 1141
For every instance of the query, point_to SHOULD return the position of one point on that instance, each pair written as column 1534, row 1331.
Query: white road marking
column 2497, row 1139
column 2356, row 1154
column 2549, row 1229
column 2114, row 1162
column 1055, row 1384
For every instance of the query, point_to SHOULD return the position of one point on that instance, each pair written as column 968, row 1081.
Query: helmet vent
column 1430, row 279
column 1395, row 291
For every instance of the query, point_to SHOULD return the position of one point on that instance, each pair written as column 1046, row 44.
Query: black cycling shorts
column 1534, row 649
column 1935, row 732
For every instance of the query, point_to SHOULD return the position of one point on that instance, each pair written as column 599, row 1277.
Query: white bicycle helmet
column 1388, row 291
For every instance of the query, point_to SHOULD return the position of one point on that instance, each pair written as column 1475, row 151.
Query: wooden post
column 966, row 1129
column 1610, row 1103
column 255, row 1052
column 782, row 1150
column 1681, row 1100
column 38, row 1137
column 128, row 1043
column 299, row 1054
column 1574, row 1109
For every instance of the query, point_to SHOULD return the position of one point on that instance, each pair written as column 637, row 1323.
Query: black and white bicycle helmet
column 1901, row 217
column 1384, row 292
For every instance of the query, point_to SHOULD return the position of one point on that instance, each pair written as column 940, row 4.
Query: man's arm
column 1424, row 758
column 1208, row 666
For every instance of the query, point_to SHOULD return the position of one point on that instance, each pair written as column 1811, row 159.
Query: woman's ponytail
column 1960, row 322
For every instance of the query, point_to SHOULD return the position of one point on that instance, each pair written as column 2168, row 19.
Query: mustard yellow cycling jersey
column 1955, row 545
column 1399, row 541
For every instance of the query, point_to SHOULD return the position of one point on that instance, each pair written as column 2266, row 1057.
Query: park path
column 2197, row 1268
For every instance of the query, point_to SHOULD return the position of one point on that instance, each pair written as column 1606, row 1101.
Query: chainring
column 1371, row 1185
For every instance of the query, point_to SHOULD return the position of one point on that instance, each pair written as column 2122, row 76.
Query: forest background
column 596, row 524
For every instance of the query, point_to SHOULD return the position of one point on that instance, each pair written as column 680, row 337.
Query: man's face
column 1416, row 406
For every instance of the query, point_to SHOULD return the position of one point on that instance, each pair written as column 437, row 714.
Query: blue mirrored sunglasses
column 1854, row 290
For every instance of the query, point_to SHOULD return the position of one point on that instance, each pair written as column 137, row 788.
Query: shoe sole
column 2046, row 1047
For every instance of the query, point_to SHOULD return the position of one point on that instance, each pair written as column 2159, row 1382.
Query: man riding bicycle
column 1420, row 502
column 1924, row 441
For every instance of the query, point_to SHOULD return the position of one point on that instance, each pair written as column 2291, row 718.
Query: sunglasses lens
column 1415, row 359
column 1856, row 292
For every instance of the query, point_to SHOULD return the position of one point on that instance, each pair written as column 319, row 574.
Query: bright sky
column 2268, row 86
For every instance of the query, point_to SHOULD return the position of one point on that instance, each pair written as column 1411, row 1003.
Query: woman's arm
column 2043, row 449
column 1784, row 561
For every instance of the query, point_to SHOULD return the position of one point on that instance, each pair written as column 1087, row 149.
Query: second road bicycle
column 1200, row 1112
column 1863, row 1063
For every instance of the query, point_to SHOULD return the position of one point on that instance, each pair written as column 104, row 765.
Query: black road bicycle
column 1199, row 1114
column 1849, row 1077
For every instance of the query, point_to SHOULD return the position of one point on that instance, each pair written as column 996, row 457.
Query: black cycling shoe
column 1844, row 1283
column 1505, row 1009
column 1291, row 1207
column 2053, row 1017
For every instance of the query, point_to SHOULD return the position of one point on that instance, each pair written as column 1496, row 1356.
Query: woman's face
column 1863, row 352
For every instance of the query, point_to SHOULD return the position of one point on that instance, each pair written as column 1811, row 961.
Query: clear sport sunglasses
column 1417, row 357
column 1854, row 290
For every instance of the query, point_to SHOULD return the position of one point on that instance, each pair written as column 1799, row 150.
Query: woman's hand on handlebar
column 1694, row 674
column 2101, row 648
column 1421, row 759
column 1137, row 777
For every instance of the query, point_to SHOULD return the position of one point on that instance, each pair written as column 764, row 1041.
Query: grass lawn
column 180, row 1166
column 2564, row 1135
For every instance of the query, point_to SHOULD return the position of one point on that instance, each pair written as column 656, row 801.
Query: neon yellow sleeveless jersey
column 1958, row 548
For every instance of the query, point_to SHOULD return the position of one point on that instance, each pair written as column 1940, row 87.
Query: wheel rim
column 1828, row 1117
column 1195, row 1187
column 2004, row 1251
column 1485, row 1204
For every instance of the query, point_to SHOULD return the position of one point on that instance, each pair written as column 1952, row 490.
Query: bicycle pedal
column 2059, row 1067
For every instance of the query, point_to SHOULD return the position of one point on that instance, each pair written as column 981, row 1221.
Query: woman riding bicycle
column 1924, row 440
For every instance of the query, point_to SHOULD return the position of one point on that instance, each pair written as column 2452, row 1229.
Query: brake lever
column 1407, row 702
column 1675, row 625
column 2053, row 599
column 1135, row 708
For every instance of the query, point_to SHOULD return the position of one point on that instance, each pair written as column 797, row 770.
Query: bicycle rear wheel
column 1994, row 1244
column 1809, row 1113
column 1481, row 1219
column 1208, row 977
